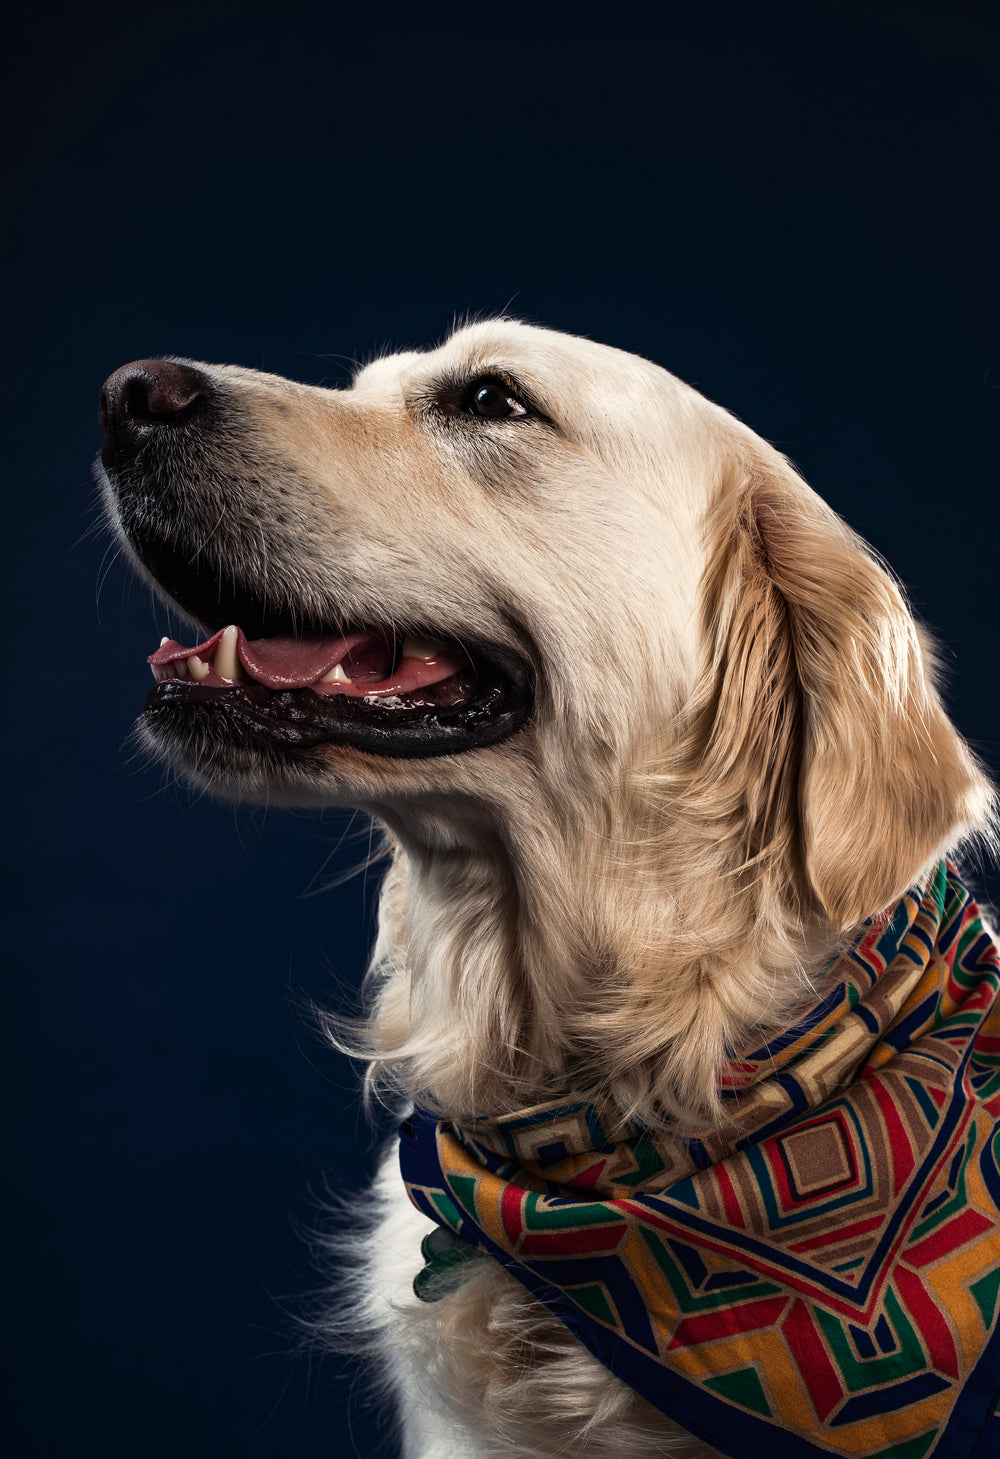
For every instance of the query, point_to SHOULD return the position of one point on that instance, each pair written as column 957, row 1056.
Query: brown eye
column 492, row 400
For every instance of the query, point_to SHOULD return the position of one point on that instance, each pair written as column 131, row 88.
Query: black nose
column 142, row 394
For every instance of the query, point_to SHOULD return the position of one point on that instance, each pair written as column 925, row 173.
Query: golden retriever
column 651, row 733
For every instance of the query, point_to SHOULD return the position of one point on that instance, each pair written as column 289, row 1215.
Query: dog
column 666, row 785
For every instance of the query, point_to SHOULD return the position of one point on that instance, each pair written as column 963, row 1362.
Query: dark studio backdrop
column 791, row 207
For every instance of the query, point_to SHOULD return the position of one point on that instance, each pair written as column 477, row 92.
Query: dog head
column 521, row 499
column 531, row 589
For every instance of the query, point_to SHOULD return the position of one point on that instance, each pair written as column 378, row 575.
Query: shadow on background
column 798, row 220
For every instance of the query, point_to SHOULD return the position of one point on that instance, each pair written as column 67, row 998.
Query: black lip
column 298, row 719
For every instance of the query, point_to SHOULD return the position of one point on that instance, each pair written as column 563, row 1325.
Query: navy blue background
column 792, row 207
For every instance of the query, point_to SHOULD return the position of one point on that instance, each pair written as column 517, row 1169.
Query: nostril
column 135, row 402
column 136, row 405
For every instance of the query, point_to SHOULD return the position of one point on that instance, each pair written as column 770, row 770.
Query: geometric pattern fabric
column 823, row 1279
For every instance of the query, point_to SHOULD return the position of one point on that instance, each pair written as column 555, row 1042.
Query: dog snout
column 142, row 395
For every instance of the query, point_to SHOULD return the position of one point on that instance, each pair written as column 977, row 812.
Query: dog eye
column 492, row 400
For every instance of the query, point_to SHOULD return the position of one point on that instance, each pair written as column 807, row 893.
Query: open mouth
column 409, row 696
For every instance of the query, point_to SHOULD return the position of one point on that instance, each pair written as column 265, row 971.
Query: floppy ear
column 829, row 664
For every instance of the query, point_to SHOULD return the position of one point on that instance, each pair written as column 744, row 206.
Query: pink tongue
column 295, row 663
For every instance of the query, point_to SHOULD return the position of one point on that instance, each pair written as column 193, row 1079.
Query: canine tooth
column 158, row 673
column 164, row 640
column 415, row 647
column 180, row 668
column 335, row 676
column 197, row 667
column 225, row 663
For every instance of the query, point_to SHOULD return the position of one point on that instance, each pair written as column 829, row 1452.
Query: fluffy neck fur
column 624, row 979
column 610, row 916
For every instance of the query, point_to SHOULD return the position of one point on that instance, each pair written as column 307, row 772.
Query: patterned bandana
column 827, row 1280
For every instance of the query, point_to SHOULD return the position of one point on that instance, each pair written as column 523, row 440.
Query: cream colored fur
column 737, row 754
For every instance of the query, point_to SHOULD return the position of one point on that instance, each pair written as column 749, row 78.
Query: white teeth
column 197, row 667
column 335, row 676
column 158, row 674
column 415, row 647
column 180, row 668
column 164, row 640
column 225, row 663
